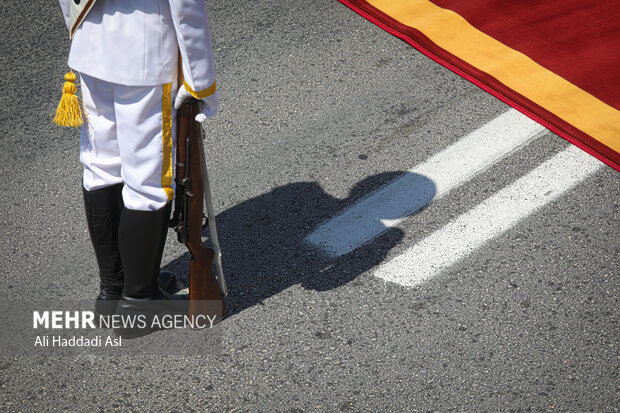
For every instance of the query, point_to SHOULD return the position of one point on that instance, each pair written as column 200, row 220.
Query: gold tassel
column 69, row 111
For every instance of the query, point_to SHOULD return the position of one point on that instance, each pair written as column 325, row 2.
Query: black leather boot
column 103, row 211
column 141, row 239
column 142, row 236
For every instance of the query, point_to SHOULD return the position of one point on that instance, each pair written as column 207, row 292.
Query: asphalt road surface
column 472, row 299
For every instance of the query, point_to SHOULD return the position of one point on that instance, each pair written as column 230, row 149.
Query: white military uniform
column 126, row 52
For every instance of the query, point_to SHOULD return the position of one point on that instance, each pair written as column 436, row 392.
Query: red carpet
column 557, row 62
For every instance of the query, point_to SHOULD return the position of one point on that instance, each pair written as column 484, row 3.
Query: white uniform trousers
column 128, row 137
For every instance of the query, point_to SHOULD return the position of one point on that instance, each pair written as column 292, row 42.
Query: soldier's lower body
column 127, row 149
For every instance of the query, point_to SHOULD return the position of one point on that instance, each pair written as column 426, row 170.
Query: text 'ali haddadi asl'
column 58, row 341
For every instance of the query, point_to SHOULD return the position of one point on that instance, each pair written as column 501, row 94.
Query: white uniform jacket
column 136, row 43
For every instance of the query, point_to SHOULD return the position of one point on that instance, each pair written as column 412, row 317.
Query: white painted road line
column 392, row 203
column 489, row 219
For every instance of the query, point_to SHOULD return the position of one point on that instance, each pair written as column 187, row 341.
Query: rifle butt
column 204, row 292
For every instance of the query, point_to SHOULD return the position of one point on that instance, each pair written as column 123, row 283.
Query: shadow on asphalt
column 264, row 247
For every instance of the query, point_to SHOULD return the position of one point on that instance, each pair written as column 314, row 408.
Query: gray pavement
column 319, row 107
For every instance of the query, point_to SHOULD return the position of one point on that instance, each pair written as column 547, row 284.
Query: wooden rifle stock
column 204, row 292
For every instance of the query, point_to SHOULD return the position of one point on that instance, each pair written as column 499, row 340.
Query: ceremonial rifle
column 192, row 187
